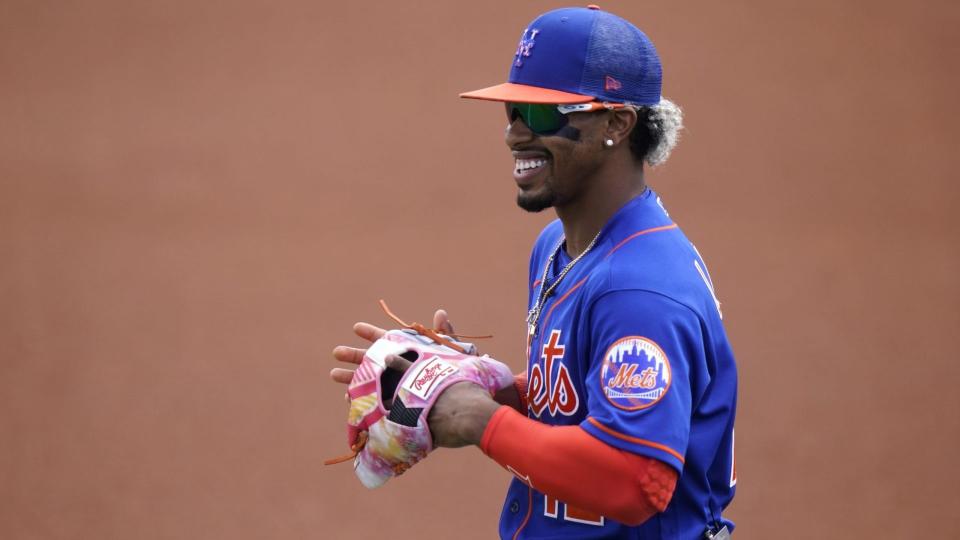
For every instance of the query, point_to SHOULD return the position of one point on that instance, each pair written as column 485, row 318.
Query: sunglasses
column 548, row 119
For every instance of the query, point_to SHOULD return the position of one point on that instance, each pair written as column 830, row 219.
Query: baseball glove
column 387, row 427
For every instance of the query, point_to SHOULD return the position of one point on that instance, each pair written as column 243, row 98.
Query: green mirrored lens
column 541, row 119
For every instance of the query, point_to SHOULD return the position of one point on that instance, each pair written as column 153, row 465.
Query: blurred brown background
column 197, row 200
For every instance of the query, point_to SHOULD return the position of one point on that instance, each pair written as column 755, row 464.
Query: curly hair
column 657, row 131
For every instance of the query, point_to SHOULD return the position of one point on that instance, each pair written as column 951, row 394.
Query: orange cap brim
column 522, row 93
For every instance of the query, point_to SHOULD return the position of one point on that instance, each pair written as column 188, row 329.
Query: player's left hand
column 401, row 379
column 459, row 416
column 371, row 333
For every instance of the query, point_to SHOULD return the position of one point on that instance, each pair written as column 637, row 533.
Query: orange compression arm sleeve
column 571, row 465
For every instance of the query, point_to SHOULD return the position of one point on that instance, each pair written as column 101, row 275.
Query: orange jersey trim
column 560, row 300
column 622, row 242
column 635, row 440
column 641, row 233
column 529, row 513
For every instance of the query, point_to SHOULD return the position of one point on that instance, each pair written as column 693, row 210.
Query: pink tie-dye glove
column 391, row 440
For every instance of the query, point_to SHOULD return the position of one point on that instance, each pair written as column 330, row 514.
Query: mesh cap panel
column 621, row 63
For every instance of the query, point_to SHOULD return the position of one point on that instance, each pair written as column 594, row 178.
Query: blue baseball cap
column 578, row 55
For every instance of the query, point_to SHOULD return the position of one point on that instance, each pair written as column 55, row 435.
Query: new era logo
column 609, row 83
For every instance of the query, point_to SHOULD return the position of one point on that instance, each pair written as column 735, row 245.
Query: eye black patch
column 568, row 132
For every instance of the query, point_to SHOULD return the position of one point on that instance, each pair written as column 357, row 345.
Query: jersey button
column 514, row 507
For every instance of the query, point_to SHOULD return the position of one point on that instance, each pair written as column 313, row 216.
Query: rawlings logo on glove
column 429, row 374
column 387, row 427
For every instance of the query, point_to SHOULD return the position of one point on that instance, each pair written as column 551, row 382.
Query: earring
column 608, row 142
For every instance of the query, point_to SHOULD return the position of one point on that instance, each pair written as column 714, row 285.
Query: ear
column 621, row 124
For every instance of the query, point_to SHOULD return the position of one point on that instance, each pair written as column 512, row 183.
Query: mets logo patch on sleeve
column 635, row 373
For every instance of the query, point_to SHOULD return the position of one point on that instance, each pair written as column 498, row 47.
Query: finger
column 341, row 375
column 441, row 321
column 397, row 362
column 350, row 355
column 368, row 331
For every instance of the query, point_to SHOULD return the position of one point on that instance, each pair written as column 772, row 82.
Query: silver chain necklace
column 533, row 316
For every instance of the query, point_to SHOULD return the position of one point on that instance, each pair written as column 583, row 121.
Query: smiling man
column 631, row 383
column 622, row 424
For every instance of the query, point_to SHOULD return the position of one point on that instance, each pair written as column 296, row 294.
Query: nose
column 517, row 132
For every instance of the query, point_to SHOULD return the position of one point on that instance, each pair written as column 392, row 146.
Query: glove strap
column 355, row 449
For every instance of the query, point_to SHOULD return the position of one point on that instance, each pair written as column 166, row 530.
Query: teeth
column 525, row 164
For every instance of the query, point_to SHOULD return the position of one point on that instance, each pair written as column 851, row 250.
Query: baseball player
column 622, row 424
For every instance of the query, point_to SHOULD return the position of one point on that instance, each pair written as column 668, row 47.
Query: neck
column 584, row 217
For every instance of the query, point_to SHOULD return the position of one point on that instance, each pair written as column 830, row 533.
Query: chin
column 537, row 198
column 534, row 203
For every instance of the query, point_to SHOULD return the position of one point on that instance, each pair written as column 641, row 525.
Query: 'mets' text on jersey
column 631, row 348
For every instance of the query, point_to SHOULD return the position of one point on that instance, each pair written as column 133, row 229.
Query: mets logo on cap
column 527, row 41
column 635, row 373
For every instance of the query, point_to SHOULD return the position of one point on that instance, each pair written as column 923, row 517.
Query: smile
column 524, row 165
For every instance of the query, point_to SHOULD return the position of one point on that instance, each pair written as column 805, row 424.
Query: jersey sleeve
column 642, row 349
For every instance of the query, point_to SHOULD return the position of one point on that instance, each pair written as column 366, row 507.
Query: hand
column 353, row 355
column 508, row 396
column 460, row 415
column 371, row 333
column 462, row 412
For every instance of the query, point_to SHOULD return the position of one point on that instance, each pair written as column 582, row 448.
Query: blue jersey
column 631, row 348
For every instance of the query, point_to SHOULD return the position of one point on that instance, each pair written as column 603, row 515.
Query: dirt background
column 197, row 200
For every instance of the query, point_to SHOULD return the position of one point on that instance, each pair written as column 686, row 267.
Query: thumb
column 441, row 321
column 398, row 363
